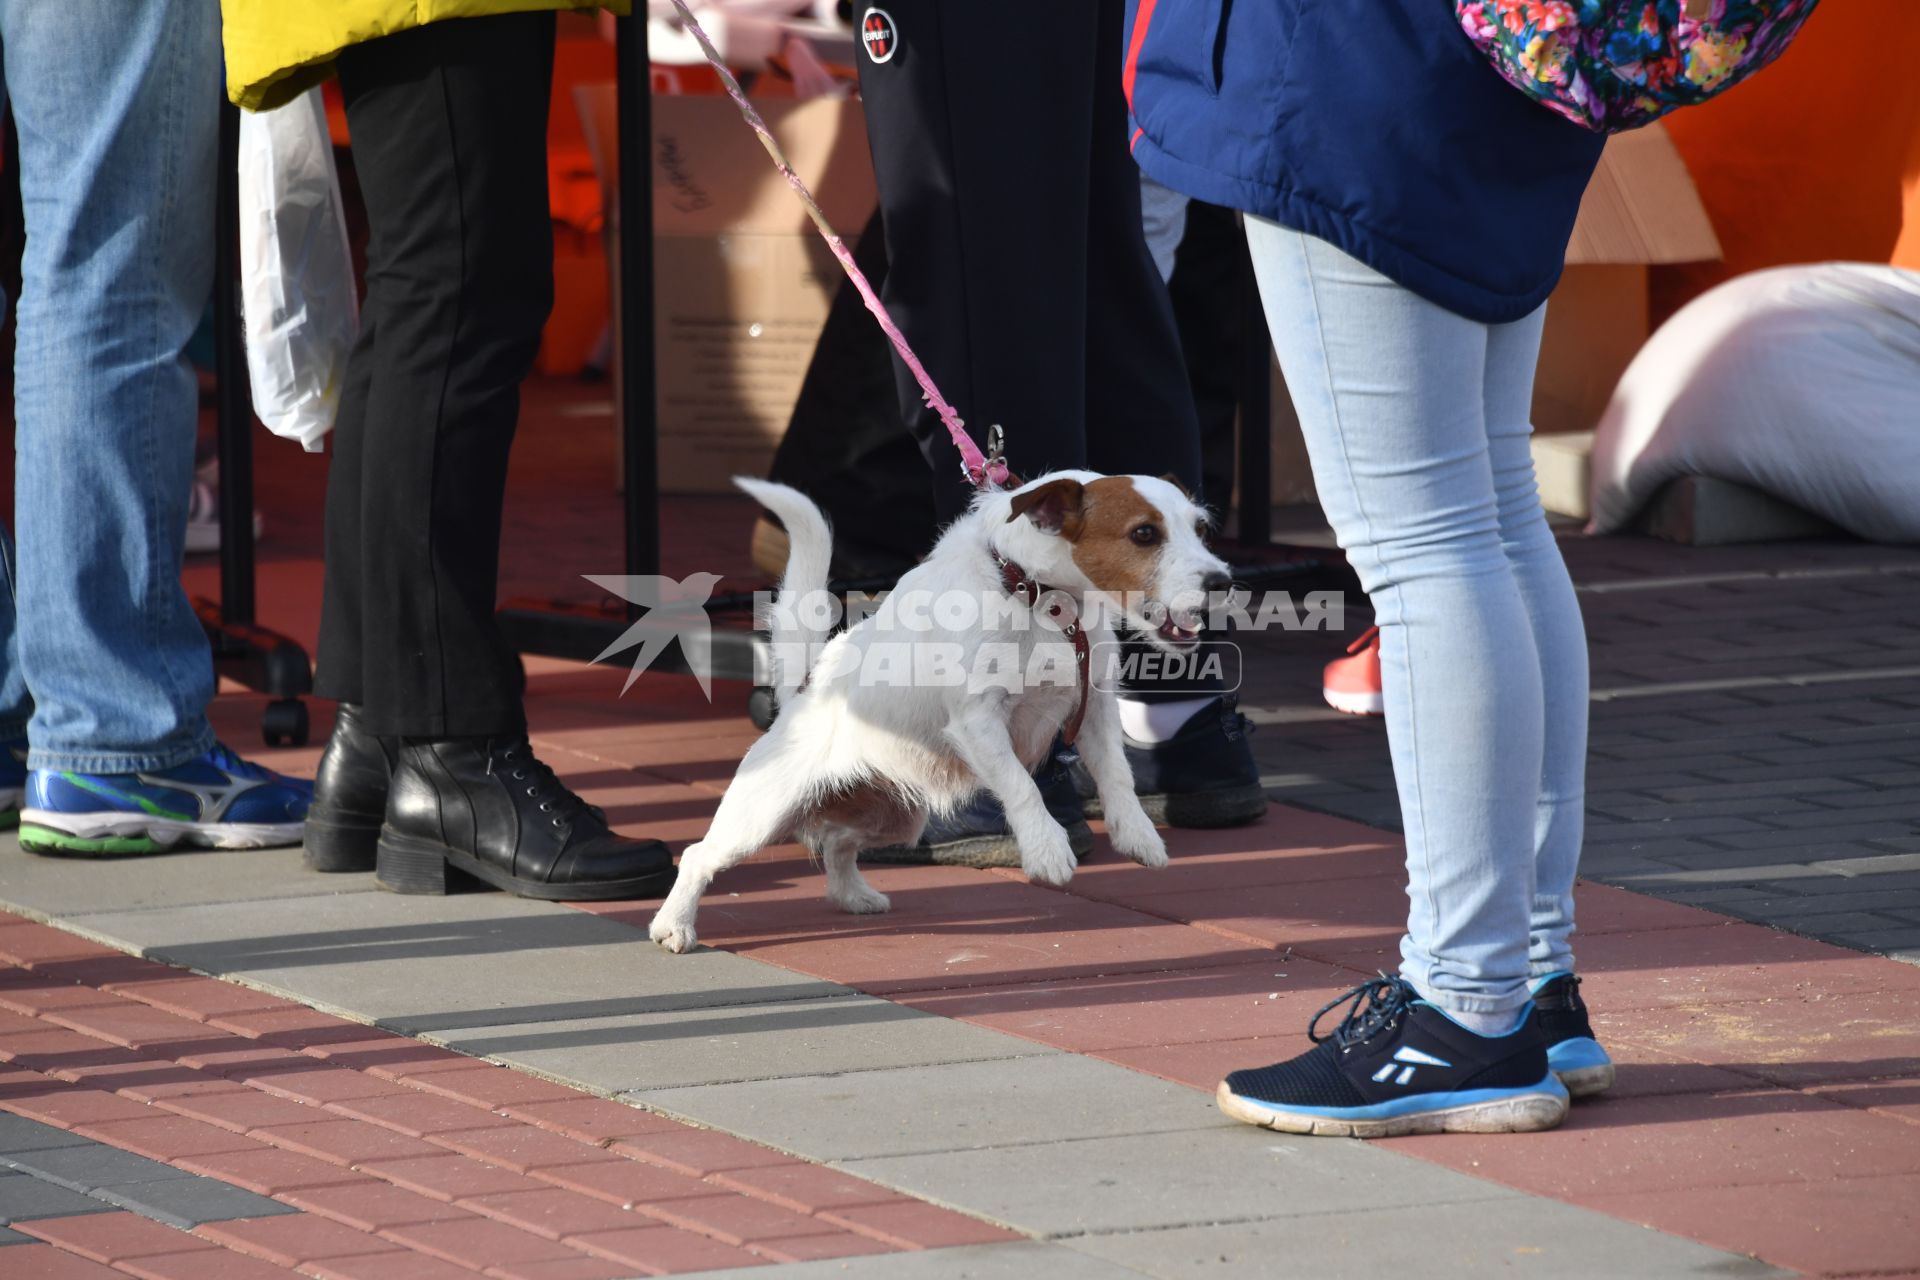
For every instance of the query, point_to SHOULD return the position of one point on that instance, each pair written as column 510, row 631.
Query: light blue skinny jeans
column 1417, row 423
column 117, row 108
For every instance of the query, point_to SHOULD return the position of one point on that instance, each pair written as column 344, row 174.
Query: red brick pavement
column 1768, row 1100
column 405, row 1162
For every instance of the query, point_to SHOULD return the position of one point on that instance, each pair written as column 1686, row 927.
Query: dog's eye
column 1145, row 535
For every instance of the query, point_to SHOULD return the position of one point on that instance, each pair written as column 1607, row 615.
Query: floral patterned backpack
column 1609, row 65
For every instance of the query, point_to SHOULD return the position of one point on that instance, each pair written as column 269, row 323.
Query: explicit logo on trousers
column 878, row 35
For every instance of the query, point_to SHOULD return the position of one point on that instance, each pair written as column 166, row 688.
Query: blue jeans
column 117, row 108
column 1416, row 422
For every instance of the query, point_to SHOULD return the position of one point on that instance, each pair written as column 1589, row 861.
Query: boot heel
column 332, row 847
column 408, row 864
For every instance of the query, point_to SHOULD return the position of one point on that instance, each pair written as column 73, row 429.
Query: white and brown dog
column 859, row 757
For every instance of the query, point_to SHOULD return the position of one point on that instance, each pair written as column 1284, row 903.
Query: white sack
column 297, row 293
column 1802, row 382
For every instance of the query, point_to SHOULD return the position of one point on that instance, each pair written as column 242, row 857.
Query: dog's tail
column 809, row 557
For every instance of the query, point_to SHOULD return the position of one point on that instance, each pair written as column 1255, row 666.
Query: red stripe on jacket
column 1142, row 19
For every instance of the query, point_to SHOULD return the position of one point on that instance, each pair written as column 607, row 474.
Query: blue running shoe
column 218, row 801
column 1576, row 1057
column 1397, row 1064
column 13, row 781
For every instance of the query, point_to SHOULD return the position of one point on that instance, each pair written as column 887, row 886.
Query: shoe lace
column 1234, row 718
column 1367, row 637
column 542, row 785
column 1374, row 1004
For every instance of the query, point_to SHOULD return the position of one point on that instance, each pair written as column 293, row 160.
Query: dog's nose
column 1216, row 582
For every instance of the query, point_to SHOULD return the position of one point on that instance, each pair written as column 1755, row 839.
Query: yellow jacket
column 277, row 51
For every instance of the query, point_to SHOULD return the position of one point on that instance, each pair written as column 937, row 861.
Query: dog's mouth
column 1179, row 633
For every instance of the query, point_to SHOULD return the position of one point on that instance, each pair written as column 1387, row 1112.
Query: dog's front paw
column 864, row 900
column 1048, row 859
column 1132, row 835
column 676, row 936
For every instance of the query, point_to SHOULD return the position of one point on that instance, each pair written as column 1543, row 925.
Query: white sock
column 1486, row 1024
column 1158, row 721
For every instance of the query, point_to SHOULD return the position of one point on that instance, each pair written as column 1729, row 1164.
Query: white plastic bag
column 297, row 293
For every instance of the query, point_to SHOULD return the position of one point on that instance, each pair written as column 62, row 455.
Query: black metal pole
column 234, row 406
column 639, row 424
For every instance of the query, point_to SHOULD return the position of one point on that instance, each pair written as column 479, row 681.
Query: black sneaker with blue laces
column 1397, row 1064
column 976, row 834
column 1573, row 1053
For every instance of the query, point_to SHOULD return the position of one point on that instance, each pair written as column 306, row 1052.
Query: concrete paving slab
column 1448, row 1242
column 90, row 1165
column 423, row 964
column 1221, row 1173
column 65, row 886
column 189, row 1200
column 948, row 1107
column 1019, row 1261
column 9, row 1236
column 17, row 1134
column 737, row 1043
column 24, row 1197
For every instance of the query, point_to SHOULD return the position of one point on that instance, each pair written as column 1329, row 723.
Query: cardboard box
column 742, row 281
column 1641, row 208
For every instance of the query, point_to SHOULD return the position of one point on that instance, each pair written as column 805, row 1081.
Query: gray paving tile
column 17, row 1133
column 60, row 886
column 24, row 1197
column 1018, row 1260
column 1879, row 864
column 423, row 964
column 739, row 1042
column 1654, row 881
column 90, row 1165
column 1508, row 1237
column 188, row 1201
column 954, row 1106
column 1223, row 1173
column 1898, row 940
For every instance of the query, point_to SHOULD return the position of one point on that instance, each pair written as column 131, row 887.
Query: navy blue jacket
column 1373, row 124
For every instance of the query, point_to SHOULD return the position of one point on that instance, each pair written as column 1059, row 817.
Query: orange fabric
column 1815, row 158
column 1906, row 251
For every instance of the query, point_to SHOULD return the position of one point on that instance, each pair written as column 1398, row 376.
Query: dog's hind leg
column 756, row 811
column 846, row 887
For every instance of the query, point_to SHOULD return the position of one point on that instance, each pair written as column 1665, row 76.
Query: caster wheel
column 284, row 723
column 761, row 708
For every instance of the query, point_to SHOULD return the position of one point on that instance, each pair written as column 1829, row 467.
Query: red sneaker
column 1352, row 684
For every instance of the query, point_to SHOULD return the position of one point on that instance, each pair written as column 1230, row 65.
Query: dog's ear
column 1179, row 484
column 1052, row 506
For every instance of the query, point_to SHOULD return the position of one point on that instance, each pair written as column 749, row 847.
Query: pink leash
column 981, row 471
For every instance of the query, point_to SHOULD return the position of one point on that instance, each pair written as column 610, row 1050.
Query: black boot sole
column 1199, row 810
column 334, row 845
column 997, row 850
column 413, row 864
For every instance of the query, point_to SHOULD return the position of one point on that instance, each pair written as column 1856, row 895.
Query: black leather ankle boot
column 485, row 809
column 349, row 796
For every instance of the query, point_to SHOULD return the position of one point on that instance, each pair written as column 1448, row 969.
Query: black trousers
column 1016, row 265
column 449, row 125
